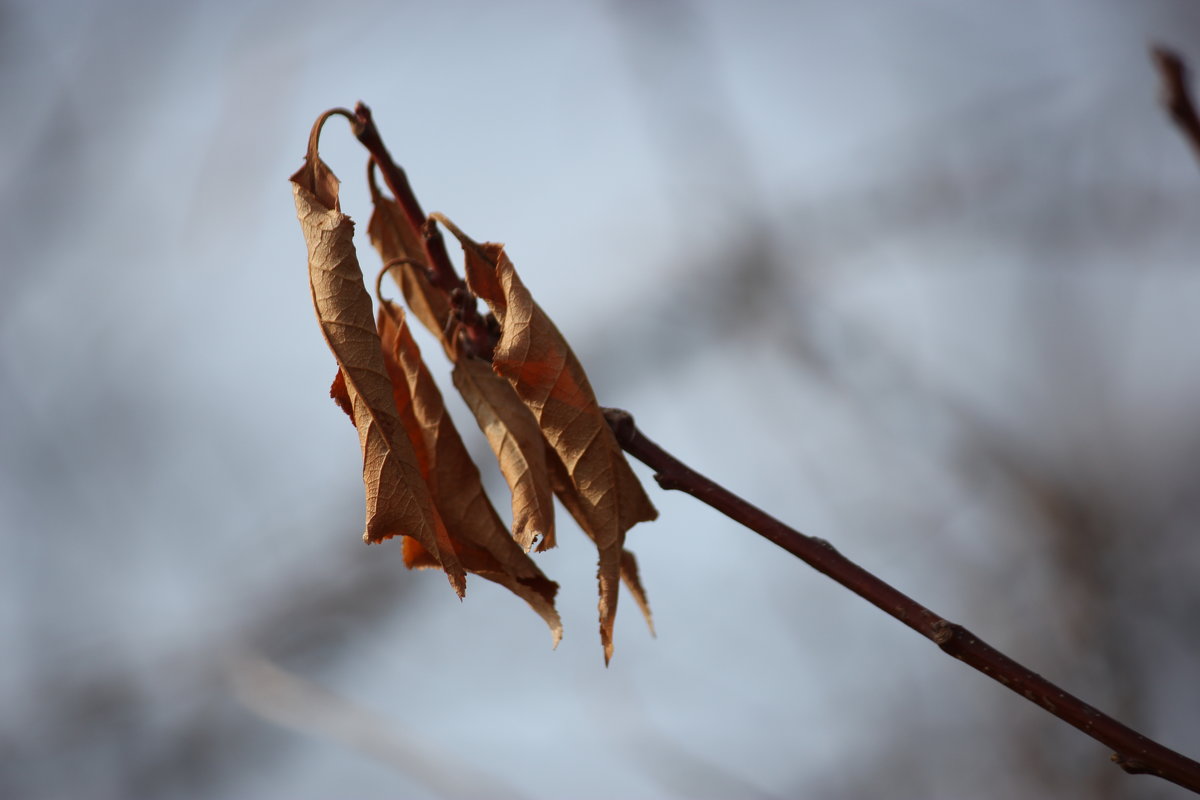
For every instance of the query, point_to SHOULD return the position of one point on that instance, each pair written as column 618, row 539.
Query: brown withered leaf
column 341, row 395
column 569, row 497
column 537, row 593
column 515, row 438
column 633, row 582
column 549, row 379
column 479, row 537
column 397, row 499
column 396, row 239
column 416, row 556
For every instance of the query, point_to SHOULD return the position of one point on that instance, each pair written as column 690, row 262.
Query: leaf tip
column 534, row 541
column 546, row 542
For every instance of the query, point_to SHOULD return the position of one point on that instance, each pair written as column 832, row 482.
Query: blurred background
column 917, row 276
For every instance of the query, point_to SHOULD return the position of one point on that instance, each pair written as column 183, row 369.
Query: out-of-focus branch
column 1176, row 96
column 291, row 701
column 1135, row 753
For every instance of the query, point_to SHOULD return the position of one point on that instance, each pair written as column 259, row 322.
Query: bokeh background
column 918, row 276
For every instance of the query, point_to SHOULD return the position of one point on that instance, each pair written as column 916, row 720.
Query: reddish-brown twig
column 442, row 272
column 1134, row 752
column 1176, row 97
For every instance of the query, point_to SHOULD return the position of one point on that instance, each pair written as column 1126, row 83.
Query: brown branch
column 1176, row 97
column 1135, row 753
column 442, row 272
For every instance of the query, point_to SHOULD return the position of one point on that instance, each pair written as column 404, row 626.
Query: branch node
column 667, row 482
column 621, row 422
column 943, row 633
column 1134, row 766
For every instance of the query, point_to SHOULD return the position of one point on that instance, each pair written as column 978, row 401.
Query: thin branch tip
column 1175, row 94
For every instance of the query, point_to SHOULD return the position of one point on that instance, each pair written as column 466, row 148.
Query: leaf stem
column 1135, row 753
column 390, row 265
column 314, row 136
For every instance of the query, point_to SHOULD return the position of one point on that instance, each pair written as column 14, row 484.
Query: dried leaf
column 538, row 594
column 416, row 556
column 633, row 582
column 569, row 497
column 549, row 379
column 478, row 535
column 395, row 238
column 341, row 395
column 517, row 442
column 397, row 499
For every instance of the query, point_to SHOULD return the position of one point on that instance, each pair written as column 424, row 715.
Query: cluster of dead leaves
column 529, row 395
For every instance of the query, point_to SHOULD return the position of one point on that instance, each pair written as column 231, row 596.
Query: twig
column 442, row 272
column 1175, row 95
column 1135, row 753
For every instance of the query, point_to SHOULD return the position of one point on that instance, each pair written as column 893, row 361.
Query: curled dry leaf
column 569, row 497
column 400, row 243
column 416, row 555
column 398, row 501
column 479, row 537
column 549, row 379
column 515, row 438
column 511, row 430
